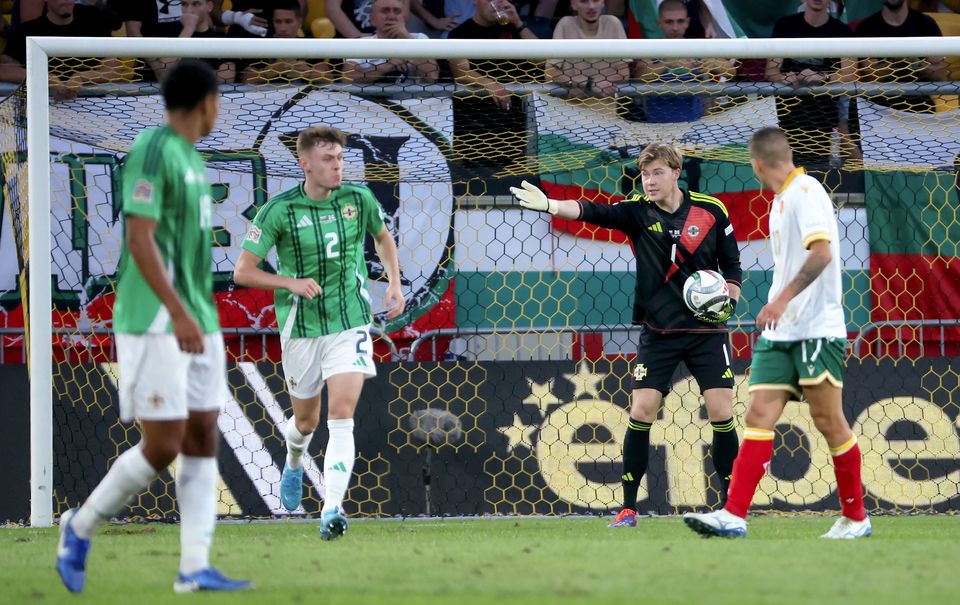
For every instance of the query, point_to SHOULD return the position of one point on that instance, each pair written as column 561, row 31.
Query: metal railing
column 243, row 333
column 433, row 335
column 875, row 347
column 246, row 335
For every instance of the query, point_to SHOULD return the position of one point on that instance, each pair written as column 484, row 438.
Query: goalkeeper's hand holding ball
column 718, row 316
column 530, row 196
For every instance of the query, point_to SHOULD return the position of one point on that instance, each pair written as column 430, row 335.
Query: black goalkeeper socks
column 724, row 452
column 636, row 451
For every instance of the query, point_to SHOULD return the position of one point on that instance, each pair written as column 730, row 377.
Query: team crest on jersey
column 143, row 192
column 254, row 234
column 349, row 212
column 693, row 230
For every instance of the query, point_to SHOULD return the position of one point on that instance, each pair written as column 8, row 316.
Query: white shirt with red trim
column 802, row 213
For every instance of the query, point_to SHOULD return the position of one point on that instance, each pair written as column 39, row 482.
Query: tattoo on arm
column 810, row 271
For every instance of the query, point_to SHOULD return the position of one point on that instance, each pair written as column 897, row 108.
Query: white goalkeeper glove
column 244, row 20
column 531, row 197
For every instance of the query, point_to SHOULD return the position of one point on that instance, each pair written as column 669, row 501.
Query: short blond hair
column 668, row 154
column 770, row 146
column 318, row 135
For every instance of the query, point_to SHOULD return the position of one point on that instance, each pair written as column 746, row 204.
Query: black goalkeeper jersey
column 669, row 248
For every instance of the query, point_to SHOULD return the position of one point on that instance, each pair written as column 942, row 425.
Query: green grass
column 500, row 561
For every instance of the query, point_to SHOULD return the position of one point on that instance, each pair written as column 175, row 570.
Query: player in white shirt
column 802, row 348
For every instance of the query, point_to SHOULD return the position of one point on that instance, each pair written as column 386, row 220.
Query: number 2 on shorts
column 361, row 350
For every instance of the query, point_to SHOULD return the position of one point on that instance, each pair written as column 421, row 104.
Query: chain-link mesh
column 510, row 383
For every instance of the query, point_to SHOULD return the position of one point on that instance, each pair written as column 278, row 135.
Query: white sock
column 129, row 475
column 197, row 500
column 338, row 462
column 297, row 444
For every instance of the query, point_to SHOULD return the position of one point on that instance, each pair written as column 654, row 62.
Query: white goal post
column 41, row 50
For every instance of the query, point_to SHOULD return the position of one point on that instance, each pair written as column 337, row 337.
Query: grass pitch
column 501, row 561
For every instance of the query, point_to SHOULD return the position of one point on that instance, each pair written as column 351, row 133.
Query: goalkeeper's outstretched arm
column 530, row 196
column 620, row 216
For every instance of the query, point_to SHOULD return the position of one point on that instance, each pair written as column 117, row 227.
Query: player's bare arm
column 143, row 249
column 817, row 260
column 387, row 251
column 248, row 273
column 465, row 75
column 356, row 72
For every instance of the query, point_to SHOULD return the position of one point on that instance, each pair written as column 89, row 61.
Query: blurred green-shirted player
column 323, row 307
column 170, row 351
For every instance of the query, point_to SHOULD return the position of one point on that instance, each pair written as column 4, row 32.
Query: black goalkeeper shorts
column 706, row 355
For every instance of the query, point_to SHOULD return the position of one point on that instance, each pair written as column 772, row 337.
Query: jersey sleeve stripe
column 298, row 264
column 342, row 233
column 153, row 153
column 700, row 197
column 815, row 237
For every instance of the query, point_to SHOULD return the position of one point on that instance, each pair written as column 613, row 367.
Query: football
column 705, row 291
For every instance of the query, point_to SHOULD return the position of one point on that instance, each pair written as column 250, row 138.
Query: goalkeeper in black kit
column 674, row 234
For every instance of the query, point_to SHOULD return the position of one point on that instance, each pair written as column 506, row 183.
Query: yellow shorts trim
column 825, row 375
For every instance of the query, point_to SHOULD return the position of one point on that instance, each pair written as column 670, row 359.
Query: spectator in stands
column 660, row 108
column 161, row 18
column 389, row 19
column 809, row 121
column 287, row 22
column 542, row 14
column 195, row 22
column 490, row 131
column 152, row 18
column 700, row 23
column 352, row 17
column 67, row 75
column 896, row 19
column 583, row 77
column 257, row 24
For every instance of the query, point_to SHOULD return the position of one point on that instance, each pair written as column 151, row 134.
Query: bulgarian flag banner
column 913, row 209
column 591, row 163
column 739, row 18
column 900, row 252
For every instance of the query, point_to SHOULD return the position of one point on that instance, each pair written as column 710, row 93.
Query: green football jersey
column 165, row 179
column 322, row 240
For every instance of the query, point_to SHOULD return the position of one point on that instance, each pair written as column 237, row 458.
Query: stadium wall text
column 519, row 438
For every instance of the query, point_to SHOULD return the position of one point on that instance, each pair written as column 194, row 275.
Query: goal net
column 504, row 387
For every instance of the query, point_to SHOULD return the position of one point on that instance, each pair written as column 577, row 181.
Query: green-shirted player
column 323, row 307
column 170, row 351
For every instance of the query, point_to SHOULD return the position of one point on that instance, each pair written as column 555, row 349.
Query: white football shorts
column 158, row 381
column 308, row 362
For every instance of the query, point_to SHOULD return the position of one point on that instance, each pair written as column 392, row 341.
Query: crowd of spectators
column 470, row 19
column 818, row 117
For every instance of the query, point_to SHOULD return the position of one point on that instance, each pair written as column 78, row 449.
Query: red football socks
column 846, row 465
column 751, row 463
